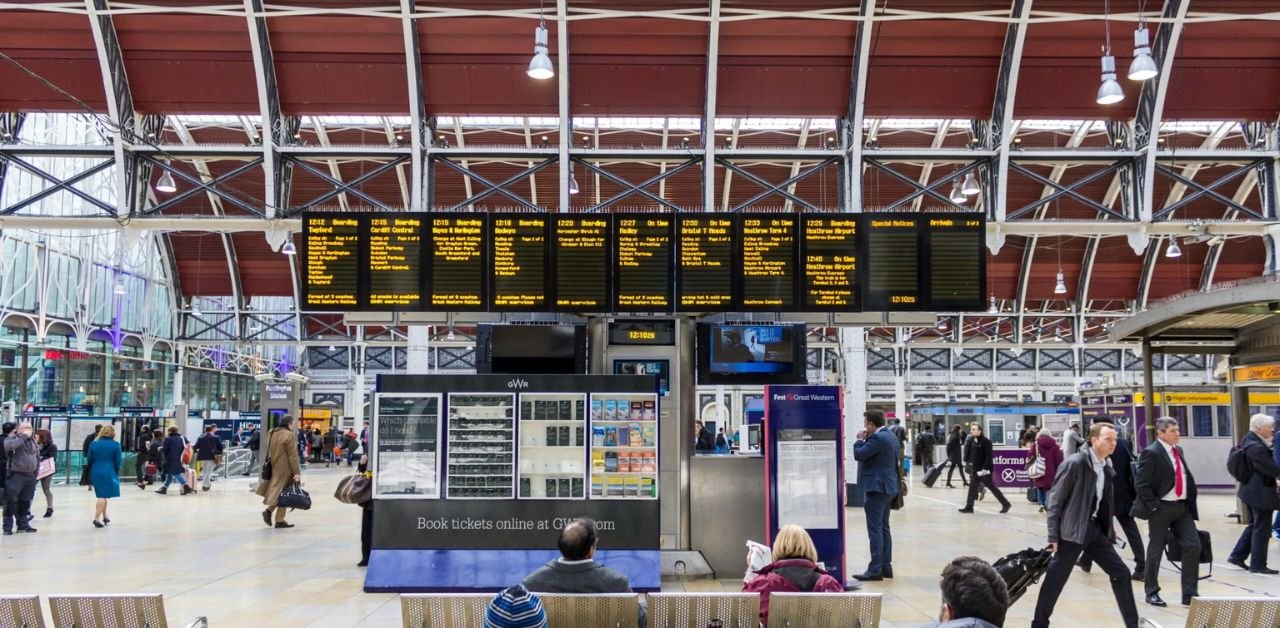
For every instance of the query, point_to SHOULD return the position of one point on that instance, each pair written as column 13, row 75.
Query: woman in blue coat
column 105, row 459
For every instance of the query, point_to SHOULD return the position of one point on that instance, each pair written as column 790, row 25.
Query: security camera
column 264, row 377
column 297, row 378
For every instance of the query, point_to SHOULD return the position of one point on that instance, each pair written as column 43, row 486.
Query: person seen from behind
column 1044, row 446
column 515, row 607
column 576, row 570
column 286, row 469
column 173, row 469
column 104, row 462
column 794, row 570
column 973, row 595
column 208, row 452
column 1261, row 493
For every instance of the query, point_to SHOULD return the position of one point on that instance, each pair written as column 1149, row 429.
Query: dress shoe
column 363, row 563
column 1238, row 563
column 48, row 513
column 966, row 510
column 1264, row 570
column 1005, row 508
column 1154, row 600
column 868, row 577
column 28, row 530
column 1085, row 567
column 1186, row 600
column 282, row 525
column 887, row 573
column 1138, row 575
column 266, row 516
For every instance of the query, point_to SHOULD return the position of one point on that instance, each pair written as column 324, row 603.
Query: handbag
column 152, row 469
column 186, row 455
column 265, row 473
column 900, row 499
column 1173, row 551
column 47, row 468
column 294, row 497
column 354, row 489
column 1036, row 469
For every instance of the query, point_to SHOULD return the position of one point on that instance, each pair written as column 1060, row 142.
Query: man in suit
column 878, row 453
column 981, row 459
column 1079, row 511
column 1260, row 493
column 1122, row 489
column 1166, row 498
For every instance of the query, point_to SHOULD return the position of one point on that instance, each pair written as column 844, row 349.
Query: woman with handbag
column 1048, row 452
column 105, row 460
column 366, row 517
column 282, row 469
column 47, row 468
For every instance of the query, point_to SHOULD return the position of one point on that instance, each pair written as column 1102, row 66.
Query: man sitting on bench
column 576, row 571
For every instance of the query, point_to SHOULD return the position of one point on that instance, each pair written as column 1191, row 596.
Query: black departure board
column 580, row 255
column 957, row 262
column 518, row 262
column 457, row 246
column 643, row 262
column 394, row 261
column 704, row 268
column 331, row 277
column 767, row 261
column 892, row 262
column 829, row 257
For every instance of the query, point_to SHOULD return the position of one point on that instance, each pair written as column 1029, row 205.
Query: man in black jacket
column 980, row 457
column 21, row 461
column 140, row 444
column 1261, row 493
column 1166, row 498
column 208, row 450
column 1122, row 487
column 253, row 443
column 1079, row 518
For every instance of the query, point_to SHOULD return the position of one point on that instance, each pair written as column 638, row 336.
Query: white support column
column 853, row 350
column 357, row 383
column 418, row 360
column 902, row 360
column 180, row 356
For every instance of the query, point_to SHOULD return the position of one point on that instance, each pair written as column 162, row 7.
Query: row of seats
column 89, row 611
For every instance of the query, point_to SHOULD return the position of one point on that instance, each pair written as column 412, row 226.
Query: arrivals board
column 394, row 261
column 704, row 270
column 892, row 263
column 643, row 256
column 457, row 278
column 331, row 265
column 580, row 253
column 829, row 257
column 767, row 262
column 518, row 262
column 957, row 262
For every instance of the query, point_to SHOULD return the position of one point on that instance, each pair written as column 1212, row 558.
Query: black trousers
column 1173, row 518
column 1099, row 548
column 1253, row 541
column 366, row 532
column 954, row 466
column 1134, row 537
column 139, row 466
column 975, row 481
column 19, row 490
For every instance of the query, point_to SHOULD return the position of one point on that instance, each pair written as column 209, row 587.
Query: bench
column 696, row 610
column 598, row 610
column 110, row 611
column 444, row 610
column 466, row 610
column 824, row 610
column 21, row 612
column 1231, row 612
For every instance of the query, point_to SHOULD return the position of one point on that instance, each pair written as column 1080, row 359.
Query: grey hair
column 1044, row 431
column 1257, row 421
column 1164, row 423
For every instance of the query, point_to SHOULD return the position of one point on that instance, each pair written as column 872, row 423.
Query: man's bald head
column 578, row 539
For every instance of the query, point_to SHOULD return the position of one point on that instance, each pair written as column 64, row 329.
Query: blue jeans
column 1042, row 495
column 170, row 477
column 877, row 510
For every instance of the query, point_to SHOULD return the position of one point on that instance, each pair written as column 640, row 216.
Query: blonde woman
column 105, row 459
column 794, row 569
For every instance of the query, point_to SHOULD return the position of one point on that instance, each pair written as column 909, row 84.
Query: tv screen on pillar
column 531, row 349
column 751, row 354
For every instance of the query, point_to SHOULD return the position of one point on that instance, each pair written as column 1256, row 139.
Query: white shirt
column 1100, row 472
column 1171, row 496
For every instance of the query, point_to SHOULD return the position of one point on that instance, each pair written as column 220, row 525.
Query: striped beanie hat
column 515, row 608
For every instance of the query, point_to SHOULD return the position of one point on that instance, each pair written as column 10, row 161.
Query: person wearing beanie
column 515, row 607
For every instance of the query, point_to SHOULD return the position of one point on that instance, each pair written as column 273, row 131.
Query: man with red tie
column 1166, row 498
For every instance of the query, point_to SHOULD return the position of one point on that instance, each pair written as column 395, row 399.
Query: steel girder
column 10, row 127
column 492, row 187
column 1146, row 123
column 67, row 185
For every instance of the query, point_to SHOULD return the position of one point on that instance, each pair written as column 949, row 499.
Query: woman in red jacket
column 794, row 570
column 1046, row 447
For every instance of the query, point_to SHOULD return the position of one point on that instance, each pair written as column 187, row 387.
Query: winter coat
column 172, row 450
column 791, row 575
column 208, row 447
column 1071, row 442
column 21, row 455
column 1260, row 490
column 282, row 450
column 1070, row 504
column 1047, row 448
column 954, row 444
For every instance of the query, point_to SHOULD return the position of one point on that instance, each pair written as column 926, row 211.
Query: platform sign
column 804, row 465
column 1009, row 467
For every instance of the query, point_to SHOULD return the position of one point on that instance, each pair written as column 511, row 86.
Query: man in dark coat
column 173, row 469
column 1261, row 493
column 84, row 451
column 140, row 444
column 879, row 455
column 208, row 450
column 1122, row 488
column 253, row 443
column 703, row 440
column 981, row 458
column 1165, row 495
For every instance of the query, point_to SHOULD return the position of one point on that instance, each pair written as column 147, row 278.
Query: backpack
column 1238, row 464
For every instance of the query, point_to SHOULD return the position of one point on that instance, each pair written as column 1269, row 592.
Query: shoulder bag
column 47, row 468
column 265, row 473
column 1036, row 469
column 354, row 489
column 294, row 497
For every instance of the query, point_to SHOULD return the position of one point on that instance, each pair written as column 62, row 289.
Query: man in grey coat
column 21, row 461
column 1071, row 441
column 576, row 570
column 1080, row 510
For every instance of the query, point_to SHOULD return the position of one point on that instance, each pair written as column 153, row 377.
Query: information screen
column 331, row 247
column 704, row 271
column 642, row 262
column 518, row 259
column 580, row 252
column 456, row 280
column 957, row 262
column 395, row 261
column 892, row 262
column 829, row 247
column 768, row 261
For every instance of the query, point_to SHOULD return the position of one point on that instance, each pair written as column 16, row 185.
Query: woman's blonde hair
column 793, row 542
column 108, row 432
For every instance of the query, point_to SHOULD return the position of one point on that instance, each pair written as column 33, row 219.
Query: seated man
column 973, row 595
column 575, row 571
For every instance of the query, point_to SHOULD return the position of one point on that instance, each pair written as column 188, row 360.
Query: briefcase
column 1173, row 552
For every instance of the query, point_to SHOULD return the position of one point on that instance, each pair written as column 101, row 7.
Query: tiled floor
column 210, row 555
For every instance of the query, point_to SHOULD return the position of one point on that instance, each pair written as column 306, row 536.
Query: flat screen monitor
column 531, row 349
column 751, row 354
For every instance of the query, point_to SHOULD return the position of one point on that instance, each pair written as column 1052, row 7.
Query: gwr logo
column 517, row 384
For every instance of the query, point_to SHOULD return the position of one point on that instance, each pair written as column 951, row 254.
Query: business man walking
column 982, row 461
column 877, row 451
column 1166, row 498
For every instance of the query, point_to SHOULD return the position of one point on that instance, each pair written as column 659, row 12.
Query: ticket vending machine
column 279, row 399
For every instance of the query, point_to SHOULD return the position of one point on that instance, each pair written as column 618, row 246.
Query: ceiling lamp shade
column 573, row 184
column 195, row 310
column 1174, row 250
column 1061, row 286
column 166, row 184
column 540, row 66
column 1143, row 66
column 970, row 186
column 957, row 194
column 993, row 309
column 289, row 248
column 1110, row 92
column 119, row 289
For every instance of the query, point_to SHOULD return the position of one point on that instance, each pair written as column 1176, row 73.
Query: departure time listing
column 457, row 262
column 644, row 262
column 395, row 259
column 830, row 263
column 519, row 262
column 768, row 261
column 332, row 246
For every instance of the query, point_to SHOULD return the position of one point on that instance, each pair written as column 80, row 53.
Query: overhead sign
column 1256, row 373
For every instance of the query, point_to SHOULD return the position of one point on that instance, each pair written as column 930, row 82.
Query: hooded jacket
column 790, row 575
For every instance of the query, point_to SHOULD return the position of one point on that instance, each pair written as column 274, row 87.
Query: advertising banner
column 497, row 524
column 1009, row 468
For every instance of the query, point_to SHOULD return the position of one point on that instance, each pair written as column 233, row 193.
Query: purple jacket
column 783, row 575
column 1049, row 450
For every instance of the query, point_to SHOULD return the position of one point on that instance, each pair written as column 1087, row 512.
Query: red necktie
column 1177, row 471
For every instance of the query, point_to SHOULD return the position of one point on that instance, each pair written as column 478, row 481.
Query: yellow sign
column 317, row 414
column 1197, row 397
column 1258, row 373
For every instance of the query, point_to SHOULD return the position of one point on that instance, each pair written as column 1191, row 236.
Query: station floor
column 210, row 555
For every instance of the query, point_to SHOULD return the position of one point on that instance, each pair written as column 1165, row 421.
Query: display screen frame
column 711, row 369
column 491, row 281
column 555, row 254
column 429, row 265
column 361, row 253
column 619, row 223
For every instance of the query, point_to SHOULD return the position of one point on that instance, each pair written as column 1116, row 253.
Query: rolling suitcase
column 931, row 475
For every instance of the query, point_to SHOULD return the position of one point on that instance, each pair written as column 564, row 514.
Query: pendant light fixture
column 1061, row 286
column 957, row 194
column 1173, row 251
column 166, row 184
column 970, row 186
column 540, row 66
column 993, row 309
column 573, row 182
column 195, row 309
column 1143, row 66
column 119, row 289
column 1109, row 92
column 289, row 248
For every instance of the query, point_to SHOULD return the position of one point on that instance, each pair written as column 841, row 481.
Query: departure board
column 957, row 262
column 580, row 254
column 642, row 263
column 394, row 263
column 892, row 263
column 518, row 261
column 704, row 269
column 331, row 254
column 767, row 261
column 829, row 250
column 456, row 280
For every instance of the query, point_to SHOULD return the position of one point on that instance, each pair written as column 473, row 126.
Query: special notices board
column 456, row 280
column 642, row 263
column 892, row 262
column 580, row 254
column 704, row 271
column 331, row 272
column 519, row 262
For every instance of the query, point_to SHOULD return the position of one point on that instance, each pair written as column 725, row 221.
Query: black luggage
column 1032, row 496
column 1173, row 551
column 931, row 475
column 1022, row 569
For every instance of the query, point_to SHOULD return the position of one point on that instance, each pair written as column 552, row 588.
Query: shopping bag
column 47, row 468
